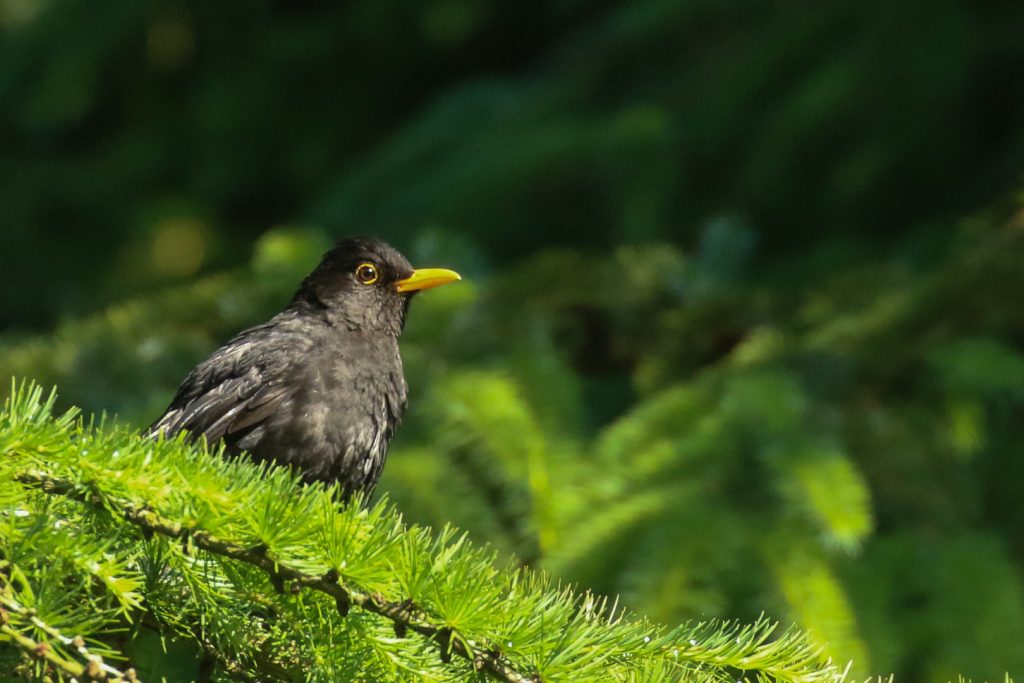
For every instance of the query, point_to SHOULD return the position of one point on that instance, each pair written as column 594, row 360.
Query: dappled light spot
column 170, row 42
column 179, row 246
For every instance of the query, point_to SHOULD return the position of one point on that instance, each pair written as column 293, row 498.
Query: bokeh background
column 742, row 328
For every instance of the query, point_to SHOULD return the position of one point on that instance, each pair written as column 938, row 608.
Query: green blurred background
column 742, row 328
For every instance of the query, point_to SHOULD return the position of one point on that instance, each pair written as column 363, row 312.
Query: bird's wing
column 224, row 395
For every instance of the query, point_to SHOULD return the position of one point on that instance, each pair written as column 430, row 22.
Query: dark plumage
column 320, row 385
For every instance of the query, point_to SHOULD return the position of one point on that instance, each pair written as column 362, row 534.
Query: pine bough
column 109, row 541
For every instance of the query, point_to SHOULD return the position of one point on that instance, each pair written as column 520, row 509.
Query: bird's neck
column 354, row 318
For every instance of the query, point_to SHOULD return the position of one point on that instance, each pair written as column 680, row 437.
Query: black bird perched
column 320, row 385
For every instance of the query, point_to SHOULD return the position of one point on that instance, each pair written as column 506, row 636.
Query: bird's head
column 366, row 284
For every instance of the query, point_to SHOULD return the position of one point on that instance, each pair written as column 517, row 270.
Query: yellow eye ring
column 367, row 273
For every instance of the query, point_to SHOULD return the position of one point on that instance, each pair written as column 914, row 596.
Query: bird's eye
column 367, row 273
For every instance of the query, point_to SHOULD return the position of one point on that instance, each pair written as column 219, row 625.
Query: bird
column 320, row 386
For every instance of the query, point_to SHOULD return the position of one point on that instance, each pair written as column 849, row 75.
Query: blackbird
column 320, row 385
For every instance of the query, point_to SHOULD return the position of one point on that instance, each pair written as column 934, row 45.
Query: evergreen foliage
column 112, row 544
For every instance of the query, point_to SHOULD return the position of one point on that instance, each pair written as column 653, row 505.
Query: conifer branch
column 81, row 497
column 94, row 668
column 402, row 614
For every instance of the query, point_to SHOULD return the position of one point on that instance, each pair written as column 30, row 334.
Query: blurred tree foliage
column 147, row 140
column 727, row 344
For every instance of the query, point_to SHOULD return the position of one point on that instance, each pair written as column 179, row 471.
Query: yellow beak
column 425, row 278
